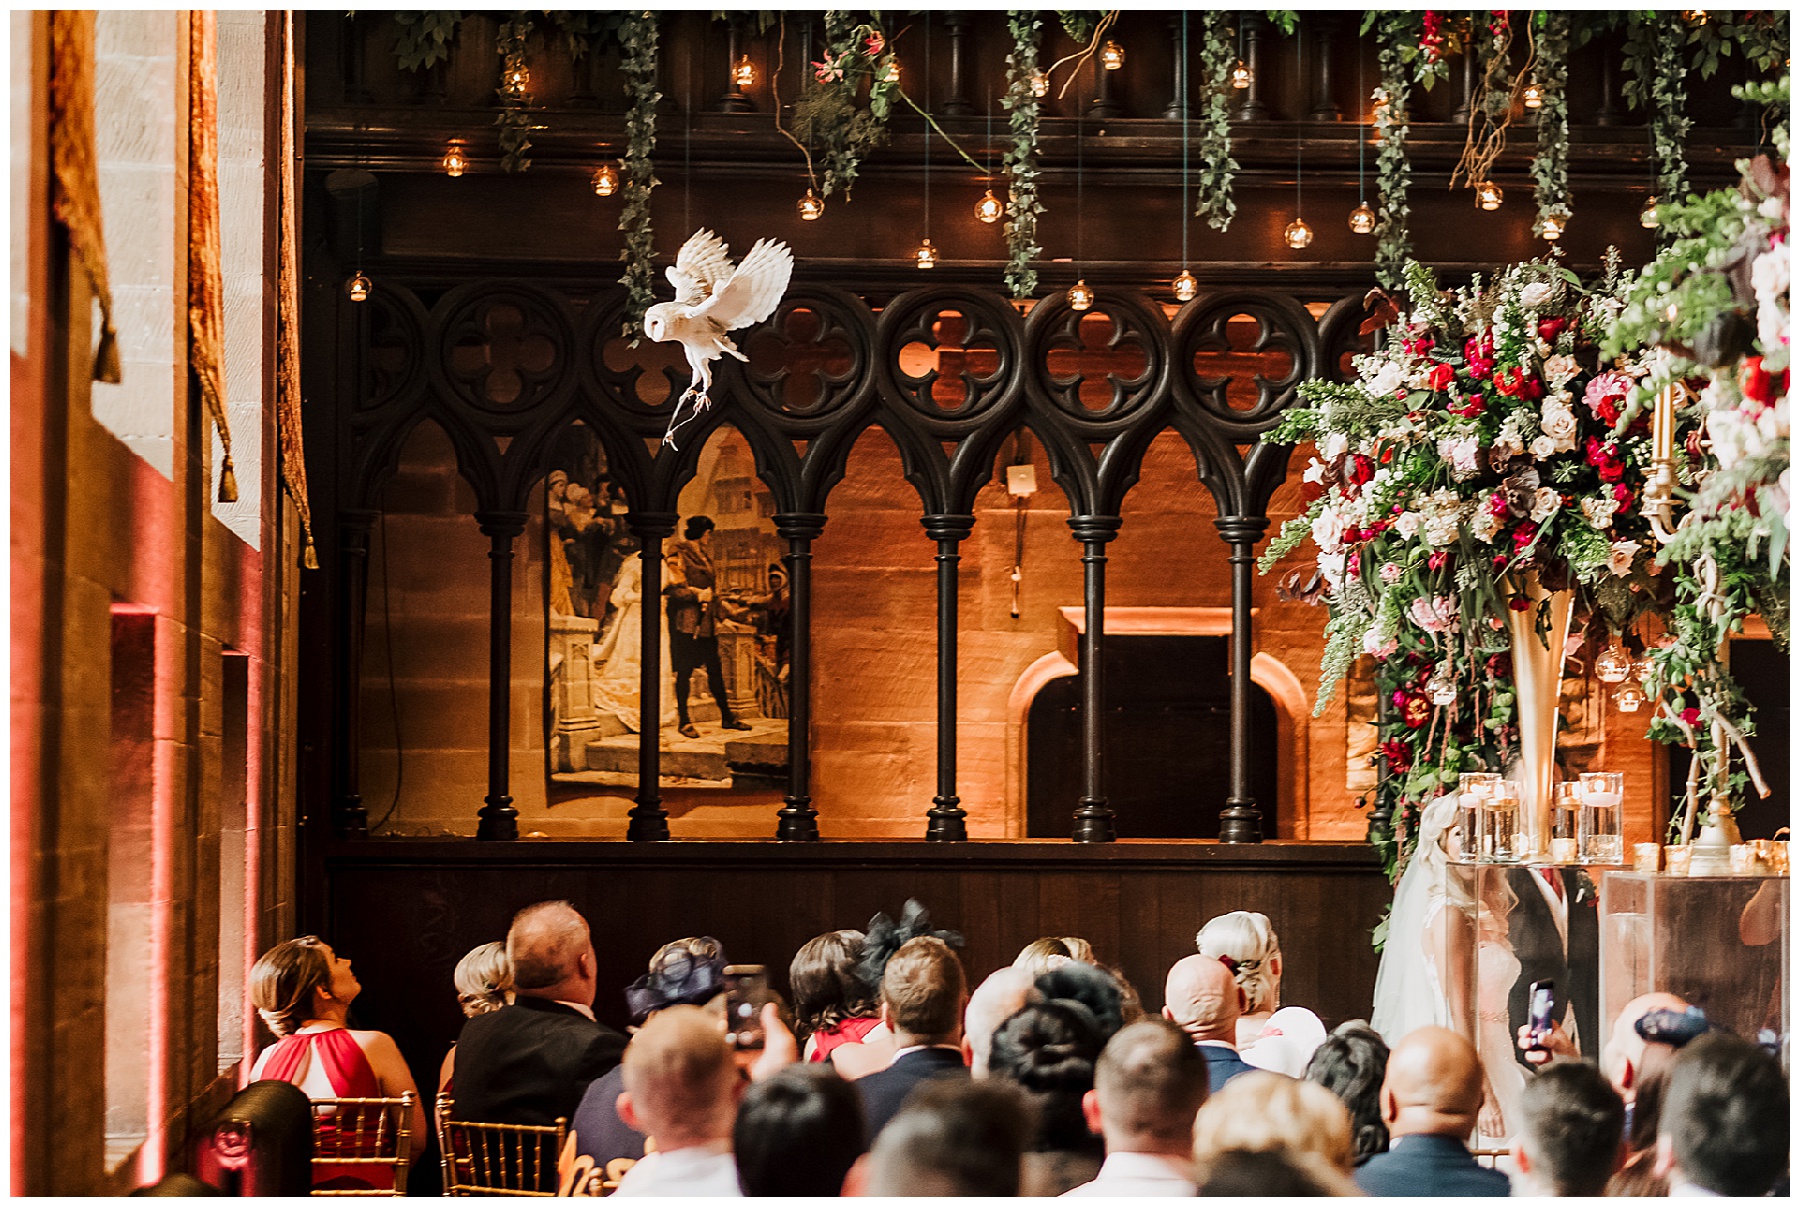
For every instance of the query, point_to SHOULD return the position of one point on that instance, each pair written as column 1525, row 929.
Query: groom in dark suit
column 1555, row 932
column 922, row 999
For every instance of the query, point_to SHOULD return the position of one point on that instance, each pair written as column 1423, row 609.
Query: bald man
column 994, row 1001
column 1428, row 1101
column 1202, row 998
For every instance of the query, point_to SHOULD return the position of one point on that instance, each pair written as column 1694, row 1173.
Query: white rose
column 1560, row 425
column 1560, row 370
column 1544, row 502
column 1335, row 445
column 1543, row 447
column 1619, row 560
column 1407, row 524
column 1387, row 379
column 1328, row 531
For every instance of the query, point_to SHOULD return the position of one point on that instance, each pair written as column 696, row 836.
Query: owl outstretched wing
column 700, row 266
column 750, row 294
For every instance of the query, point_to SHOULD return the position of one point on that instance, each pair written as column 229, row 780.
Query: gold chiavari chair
column 516, row 1159
column 364, row 1133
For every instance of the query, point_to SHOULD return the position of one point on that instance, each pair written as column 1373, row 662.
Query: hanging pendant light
column 1185, row 286
column 1629, row 697
column 1297, row 234
column 1551, row 227
column 1040, row 83
column 1241, row 75
column 453, row 162
column 359, row 287
column 1081, row 296
column 1489, row 195
column 926, row 255
column 1533, row 96
column 516, row 79
column 1112, row 55
column 744, row 74
column 1362, row 219
column 811, row 207
column 1613, row 665
column 1644, row 670
column 1647, row 216
column 606, row 180
column 989, row 209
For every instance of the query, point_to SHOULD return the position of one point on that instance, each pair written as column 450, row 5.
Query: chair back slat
column 498, row 1158
column 356, row 1132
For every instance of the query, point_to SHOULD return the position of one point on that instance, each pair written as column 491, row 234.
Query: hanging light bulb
column 1613, row 665
column 891, row 75
column 744, row 74
column 453, row 162
column 1629, row 697
column 1297, row 234
column 1442, row 691
column 1644, row 670
column 1695, row 16
column 1186, row 286
column 1647, row 216
column 1081, row 296
column 926, row 255
column 1551, row 227
column 359, row 287
column 1112, row 55
column 1533, row 96
column 1489, row 195
column 1362, row 219
column 606, row 180
column 811, row 207
column 1241, row 75
column 989, row 209
column 1040, row 83
column 517, row 78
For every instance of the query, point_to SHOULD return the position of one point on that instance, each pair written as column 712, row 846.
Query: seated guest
column 681, row 1089
column 483, row 980
column 1351, row 1063
column 1269, row 1035
column 1202, row 998
column 1724, row 1119
column 994, row 1001
column 1571, row 1132
column 1150, row 1081
column 1048, row 1049
column 1094, row 987
column 954, row 1138
column 686, row 972
column 1429, row 1100
column 302, row 989
column 1041, row 955
column 1264, row 1111
column 530, row 1062
column 798, row 1133
column 1273, row 1173
column 833, row 1006
column 921, row 1003
column 885, row 937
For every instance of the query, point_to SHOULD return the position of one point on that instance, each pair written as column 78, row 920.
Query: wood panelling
column 406, row 910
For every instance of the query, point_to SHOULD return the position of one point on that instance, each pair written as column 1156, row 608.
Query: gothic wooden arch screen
column 504, row 365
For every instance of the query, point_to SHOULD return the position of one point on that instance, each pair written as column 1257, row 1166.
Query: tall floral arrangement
column 1485, row 449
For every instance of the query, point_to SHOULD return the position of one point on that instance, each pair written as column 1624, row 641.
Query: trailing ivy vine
column 638, row 42
column 1655, row 81
column 1021, row 158
column 1217, row 167
column 1396, row 37
column 1550, row 166
column 515, row 98
column 424, row 38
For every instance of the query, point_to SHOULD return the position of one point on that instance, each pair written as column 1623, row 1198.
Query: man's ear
column 1628, row 1078
column 628, row 1113
column 1168, row 1014
column 1090, row 1110
column 887, row 1015
column 1390, row 1106
column 1665, row 1155
column 856, row 1181
column 1243, row 1000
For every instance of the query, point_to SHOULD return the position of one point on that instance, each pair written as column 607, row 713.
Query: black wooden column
column 499, row 820
column 947, row 816
column 1241, row 820
column 958, row 105
column 349, row 819
column 1324, row 28
column 1255, row 109
column 1093, row 816
column 649, row 820
column 1172, row 111
column 734, row 100
column 798, row 819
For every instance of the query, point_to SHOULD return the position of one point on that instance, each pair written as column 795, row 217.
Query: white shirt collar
column 586, row 1012
column 924, row 1048
column 1145, row 1166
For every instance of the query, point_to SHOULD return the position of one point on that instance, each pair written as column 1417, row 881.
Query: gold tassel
column 227, row 483
column 311, row 560
column 106, row 356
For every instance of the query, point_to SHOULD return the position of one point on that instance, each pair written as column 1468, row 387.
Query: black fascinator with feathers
column 886, row 936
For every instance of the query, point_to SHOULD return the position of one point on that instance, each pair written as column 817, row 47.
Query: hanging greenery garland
column 1021, row 158
column 827, row 113
column 637, row 41
column 424, row 38
column 1550, row 166
column 1217, row 167
column 1655, row 81
column 515, row 100
column 1396, row 37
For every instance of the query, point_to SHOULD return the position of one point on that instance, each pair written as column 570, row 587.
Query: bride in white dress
column 618, row 659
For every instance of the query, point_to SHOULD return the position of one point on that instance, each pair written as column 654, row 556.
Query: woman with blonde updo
column 1269, row 1036
column 483, row 981
column 302, row 990
column 1265, row 1112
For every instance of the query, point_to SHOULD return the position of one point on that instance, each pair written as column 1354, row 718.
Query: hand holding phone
column 1543, row 1002
column 746, row 993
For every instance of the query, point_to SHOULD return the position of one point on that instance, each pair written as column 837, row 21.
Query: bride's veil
column 1408, row 994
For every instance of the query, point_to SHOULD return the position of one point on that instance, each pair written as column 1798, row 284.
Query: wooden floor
column 405, row 910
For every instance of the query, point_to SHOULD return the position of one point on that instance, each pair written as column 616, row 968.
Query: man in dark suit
column 922, row 996
column 1555, row 931
column 1202, row 997
column 530, row 1062
column 1429, row 1100
column 693, row 607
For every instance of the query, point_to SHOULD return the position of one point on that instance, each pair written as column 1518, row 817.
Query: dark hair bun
column 1048, row 1047
column 1093, row 988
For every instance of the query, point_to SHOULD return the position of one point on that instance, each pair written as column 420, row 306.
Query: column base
column 499, row 820
column 1094, row 821
column 648, row 824
column 1240, row 821
column 946, row 822
column 799, row 821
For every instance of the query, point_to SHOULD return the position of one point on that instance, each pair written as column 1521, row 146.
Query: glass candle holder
column 1470, row 788
column 1646, row 857
column 1602, row 834
column 1677, row 858
column 1501, row 838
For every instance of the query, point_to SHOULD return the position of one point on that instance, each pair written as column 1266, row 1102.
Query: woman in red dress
column 303, row 990
column 833, row 1006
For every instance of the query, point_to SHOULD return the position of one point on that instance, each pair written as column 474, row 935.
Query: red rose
column 1416, row 711
column 1549, row 329
column 1622, row 495
column 1398, row 755
column 1523, row 535
column 1691, row 715
column 1612, row 470
column 1756, row 382
column 1361, row 469
column 1442, row 375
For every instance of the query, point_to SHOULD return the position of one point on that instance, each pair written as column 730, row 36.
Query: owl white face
column 656, row 322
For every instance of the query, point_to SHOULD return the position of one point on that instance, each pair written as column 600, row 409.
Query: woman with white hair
column 1269, row 1035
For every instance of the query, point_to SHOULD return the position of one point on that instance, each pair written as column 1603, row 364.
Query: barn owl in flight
column 711, row 298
